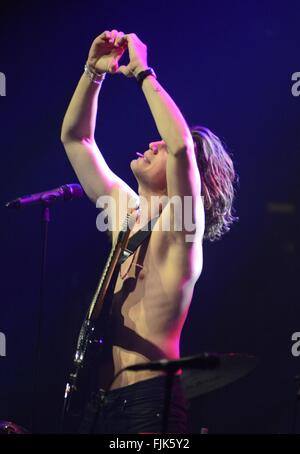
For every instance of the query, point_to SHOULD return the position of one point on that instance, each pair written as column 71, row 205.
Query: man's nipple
column 141, row 275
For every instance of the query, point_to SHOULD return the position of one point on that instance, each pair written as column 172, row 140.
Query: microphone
column 202, row 361
column 65, row 192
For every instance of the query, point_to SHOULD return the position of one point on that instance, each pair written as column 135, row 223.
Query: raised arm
column 79, row 122
column 183, row 177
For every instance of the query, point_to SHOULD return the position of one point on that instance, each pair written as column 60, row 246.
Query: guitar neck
column 111, row 263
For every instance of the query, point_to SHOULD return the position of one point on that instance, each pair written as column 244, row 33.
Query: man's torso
column 151, row 299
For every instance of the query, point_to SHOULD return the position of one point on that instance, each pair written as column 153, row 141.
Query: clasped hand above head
column 108, row 48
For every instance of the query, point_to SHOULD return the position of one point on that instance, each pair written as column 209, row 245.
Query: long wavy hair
column 218, row 178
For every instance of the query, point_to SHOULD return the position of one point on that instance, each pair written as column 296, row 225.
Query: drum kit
column 230, row 368
column 201, row 375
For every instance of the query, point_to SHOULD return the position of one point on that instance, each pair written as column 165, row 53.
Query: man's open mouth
column 140, row 155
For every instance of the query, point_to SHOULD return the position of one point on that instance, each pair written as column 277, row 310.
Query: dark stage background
column 228, row 65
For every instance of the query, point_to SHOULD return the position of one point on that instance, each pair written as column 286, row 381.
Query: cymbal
column 8, row 427
column 232, row 367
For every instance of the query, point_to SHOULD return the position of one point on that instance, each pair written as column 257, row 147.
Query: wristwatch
column 143, row 74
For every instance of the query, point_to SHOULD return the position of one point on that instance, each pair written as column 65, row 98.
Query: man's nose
column 154, row 147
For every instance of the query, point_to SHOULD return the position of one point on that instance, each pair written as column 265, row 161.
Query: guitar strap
column 137, row 239
column 133, row 243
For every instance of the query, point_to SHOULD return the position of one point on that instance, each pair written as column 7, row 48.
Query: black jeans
column 137, row 408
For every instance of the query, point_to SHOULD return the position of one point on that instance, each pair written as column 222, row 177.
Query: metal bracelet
column 95, row 77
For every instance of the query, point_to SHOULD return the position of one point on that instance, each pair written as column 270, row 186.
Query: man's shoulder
column 178, row 229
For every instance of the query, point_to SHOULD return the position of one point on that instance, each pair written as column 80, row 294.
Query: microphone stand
column 167, row 401
column 170, row 367
column 45, row 219
column 65, row 192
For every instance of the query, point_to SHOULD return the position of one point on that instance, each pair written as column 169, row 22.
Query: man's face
column 150, row 169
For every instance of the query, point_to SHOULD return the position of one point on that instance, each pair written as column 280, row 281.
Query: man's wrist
column 142, row 75
column 139, row 69
column 93, row 75
column 91, row 65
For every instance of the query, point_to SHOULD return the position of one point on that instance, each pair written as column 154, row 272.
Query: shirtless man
column 155, row 286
